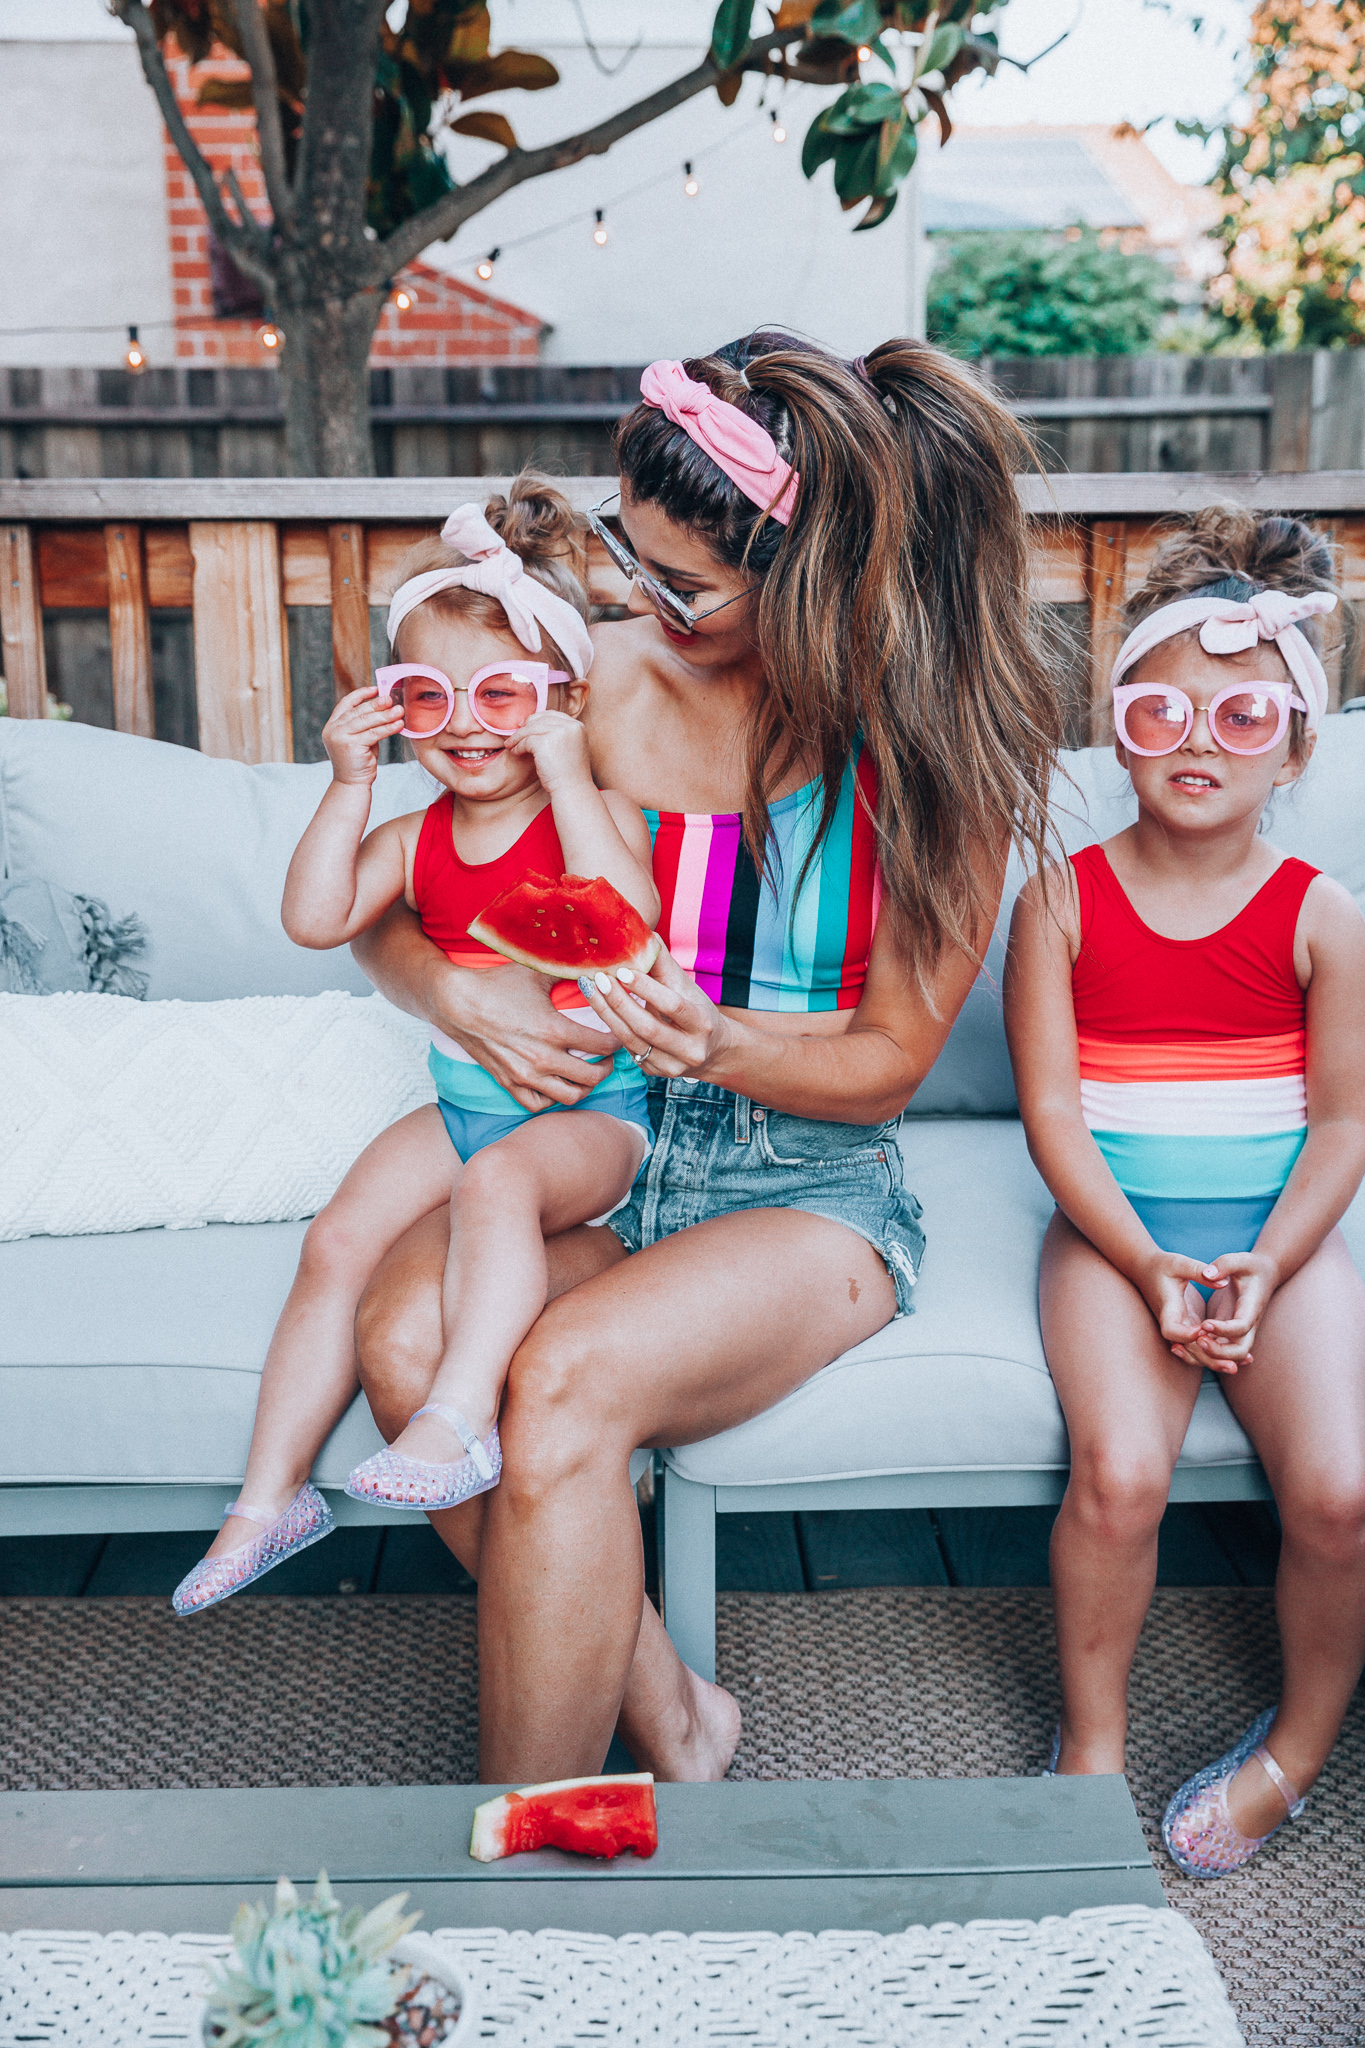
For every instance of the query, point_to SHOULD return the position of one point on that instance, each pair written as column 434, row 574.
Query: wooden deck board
column 865, row 1853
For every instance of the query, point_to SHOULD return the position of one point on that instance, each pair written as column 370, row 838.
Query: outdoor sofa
column 128, row 1361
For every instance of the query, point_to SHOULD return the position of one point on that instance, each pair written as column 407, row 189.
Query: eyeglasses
column 674, row 608
column 501, row 697
column 1246, row 718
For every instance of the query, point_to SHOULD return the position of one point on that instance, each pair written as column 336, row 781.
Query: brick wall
column 448, row 322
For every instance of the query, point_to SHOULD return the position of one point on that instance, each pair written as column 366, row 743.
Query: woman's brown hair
column 1228, row 551
column 895, row 605
column 535, row 521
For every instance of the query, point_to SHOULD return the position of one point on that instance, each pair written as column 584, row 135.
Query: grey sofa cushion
column 963, row 1382
column 195, row 847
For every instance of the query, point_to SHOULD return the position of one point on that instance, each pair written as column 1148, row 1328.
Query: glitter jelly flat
column 400, row 1482
column 307, row 1519
column 1200, row 1835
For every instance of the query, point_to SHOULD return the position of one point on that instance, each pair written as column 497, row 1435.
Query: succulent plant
column 308, row 1975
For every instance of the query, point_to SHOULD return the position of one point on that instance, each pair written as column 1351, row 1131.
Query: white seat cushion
column 962, row 1384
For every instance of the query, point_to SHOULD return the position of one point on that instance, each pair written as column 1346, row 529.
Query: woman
column 829, row 641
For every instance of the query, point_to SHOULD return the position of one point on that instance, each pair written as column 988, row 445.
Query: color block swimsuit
column 752, row 947
column 1192, row 1058
column 449, row 894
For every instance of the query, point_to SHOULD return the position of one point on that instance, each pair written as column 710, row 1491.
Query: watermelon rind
column 567, row 970
column 489, row 1832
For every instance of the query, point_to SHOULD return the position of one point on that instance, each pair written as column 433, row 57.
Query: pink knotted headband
column 741, row 447
column 493, row 569
column 1226, row 627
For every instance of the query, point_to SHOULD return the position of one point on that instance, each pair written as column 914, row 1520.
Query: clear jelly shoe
column 396, row 1481
column 1200, row 1835
column 307, row 1519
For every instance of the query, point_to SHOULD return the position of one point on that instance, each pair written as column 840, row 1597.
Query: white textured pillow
column 120, row 1115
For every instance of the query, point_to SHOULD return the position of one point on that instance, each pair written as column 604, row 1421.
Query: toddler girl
column 1184, row 1018
column 498, row 727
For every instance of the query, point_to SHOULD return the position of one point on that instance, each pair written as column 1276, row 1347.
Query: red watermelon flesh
column 566, row 928
column 590, row 1816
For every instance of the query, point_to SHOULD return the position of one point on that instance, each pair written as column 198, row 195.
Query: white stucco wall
column 83, row 223
column 678, row 275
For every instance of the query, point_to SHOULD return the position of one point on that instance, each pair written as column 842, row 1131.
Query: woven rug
column 884, row 1683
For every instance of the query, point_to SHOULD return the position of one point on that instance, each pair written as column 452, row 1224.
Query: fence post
column 21, row 625
column 350, row 608
column 130, row 631
column 1107, row 579
column 241, row 652
column 1291, row 412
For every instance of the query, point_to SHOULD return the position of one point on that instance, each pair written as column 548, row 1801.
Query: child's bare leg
column 309, row 1378
column 1302, row 1402
column 543, row 1178
column 1127, row 1403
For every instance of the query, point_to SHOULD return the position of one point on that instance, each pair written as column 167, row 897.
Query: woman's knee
column 1325, row 1516
column 557, row 1421
column 398, row 1326
column 1119, row 1497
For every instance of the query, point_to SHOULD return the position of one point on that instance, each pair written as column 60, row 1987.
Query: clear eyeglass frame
column 674, row 608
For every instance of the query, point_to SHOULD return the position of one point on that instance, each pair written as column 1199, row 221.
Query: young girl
column 1184, row 1019
column 501, row 732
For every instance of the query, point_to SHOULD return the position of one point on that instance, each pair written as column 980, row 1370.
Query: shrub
column 1031, row 294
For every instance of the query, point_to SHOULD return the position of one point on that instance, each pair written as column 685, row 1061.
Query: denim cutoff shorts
column 716, row 1153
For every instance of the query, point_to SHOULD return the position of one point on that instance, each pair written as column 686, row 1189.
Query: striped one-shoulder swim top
column 1192, row 1053
column 756, row 943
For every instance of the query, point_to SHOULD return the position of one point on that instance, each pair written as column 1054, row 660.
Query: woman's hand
column 353, row 732
column 505, row 1020
column 666, row 1022
column 1168, row 1289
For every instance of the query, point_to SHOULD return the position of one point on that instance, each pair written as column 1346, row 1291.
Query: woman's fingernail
column 625, row 974
column 603, row 982
column 585, row 984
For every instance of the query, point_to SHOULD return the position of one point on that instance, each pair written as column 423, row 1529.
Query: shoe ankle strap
column 1292, row 1799
column 235, row 1507
column 464, row 1430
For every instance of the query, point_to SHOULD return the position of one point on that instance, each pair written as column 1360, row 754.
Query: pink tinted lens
column 1246, row 723
column 424, row 704
column 1156, row 722
column 503, row 702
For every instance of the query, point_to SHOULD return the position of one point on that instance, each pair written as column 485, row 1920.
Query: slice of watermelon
column 566, row 928
column 591, row 1816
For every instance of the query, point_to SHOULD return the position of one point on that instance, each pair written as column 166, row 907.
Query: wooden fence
column 243, row 561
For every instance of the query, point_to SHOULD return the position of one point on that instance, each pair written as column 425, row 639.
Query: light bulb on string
column 691, row 183
column 599, row 233
column 864, row 53
column 271, row 338
column 779, row 132
column 404, row 297
column 484, row 267
column 134, row 355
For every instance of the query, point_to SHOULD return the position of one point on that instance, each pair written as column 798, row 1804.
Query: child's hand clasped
column 353, row 732
column 559, row 747
column 1219, row 1342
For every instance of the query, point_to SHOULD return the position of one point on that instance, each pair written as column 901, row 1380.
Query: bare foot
column 1255, row 1803
column 699, row 1739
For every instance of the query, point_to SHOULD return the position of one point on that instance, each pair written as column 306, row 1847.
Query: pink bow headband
column 1226, row 627
column 493, row 569
column 736, row 444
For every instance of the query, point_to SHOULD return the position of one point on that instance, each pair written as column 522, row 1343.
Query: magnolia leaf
column 882, row 54
column 730, row 33
column 862, row 107
column 855, row 168
column 469, row 38
column 945, row 46
column 937, row 105
column 876, row 212
column 727, row 87
column 895, row 158
column 794, row 13
column 224, row 92
column 818, row 147
column 851, row 21
column 510, row 68
column 488, row 126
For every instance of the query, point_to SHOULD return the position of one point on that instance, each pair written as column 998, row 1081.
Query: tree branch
column 246, row 243
column 265, row 94
column 437, row 223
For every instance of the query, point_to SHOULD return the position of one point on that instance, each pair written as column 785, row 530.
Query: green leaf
column 488, row 126
column 818, row 147
column 855, row 169
column 876, row 213
column 862, row 107
column 851, row 21
column 945, row 46
column 896, row 147
column 730, row 31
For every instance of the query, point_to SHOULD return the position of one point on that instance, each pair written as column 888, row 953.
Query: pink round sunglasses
column 501, row 697
column 1246, row 718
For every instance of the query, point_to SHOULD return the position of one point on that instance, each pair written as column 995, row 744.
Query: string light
column 864, row 53
column 779, row 132
column 134, row 355
column 404, row 297
column 599, row 233
column 691, row 183
column 270, row 337
column 484, row 267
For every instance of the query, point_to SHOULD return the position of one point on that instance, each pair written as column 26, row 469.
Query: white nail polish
column 603, row 982
column 625, row 974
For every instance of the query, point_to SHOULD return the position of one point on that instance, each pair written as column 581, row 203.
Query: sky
column 1133, row 60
